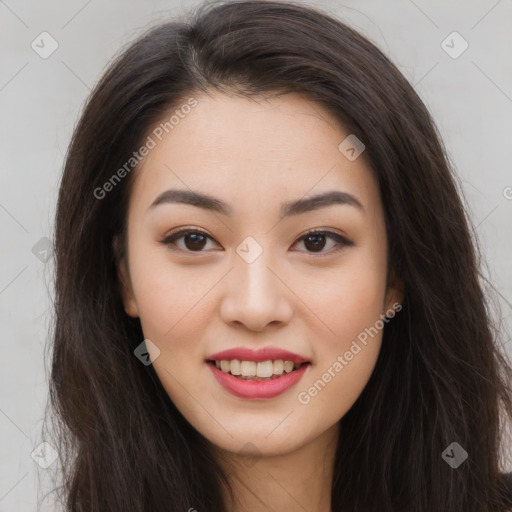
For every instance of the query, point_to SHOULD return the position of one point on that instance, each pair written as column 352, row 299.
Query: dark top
column 507, row 485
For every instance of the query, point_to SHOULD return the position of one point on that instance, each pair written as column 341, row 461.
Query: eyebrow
column 207, row 202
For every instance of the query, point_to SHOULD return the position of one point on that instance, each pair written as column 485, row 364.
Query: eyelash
column 341, row 241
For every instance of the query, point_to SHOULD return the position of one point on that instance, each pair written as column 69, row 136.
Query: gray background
column 470, row 98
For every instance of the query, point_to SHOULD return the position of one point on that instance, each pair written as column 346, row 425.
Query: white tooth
column 288, row 366
column 224, row 365
column 248, row 368
column 278, row 367
column 234, row 367
column 217, row 364
column 264, row 369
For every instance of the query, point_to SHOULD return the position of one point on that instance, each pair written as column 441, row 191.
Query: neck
column 294, row 481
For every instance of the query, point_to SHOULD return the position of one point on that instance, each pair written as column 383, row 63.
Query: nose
column 257, row 296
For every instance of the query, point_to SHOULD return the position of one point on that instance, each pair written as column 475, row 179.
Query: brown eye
column 315, row 241
column 193, row 240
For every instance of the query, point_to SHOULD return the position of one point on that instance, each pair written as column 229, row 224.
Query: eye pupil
column 316, row 245
column 196, row 238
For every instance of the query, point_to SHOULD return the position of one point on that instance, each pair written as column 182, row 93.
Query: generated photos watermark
column 152, row 140
column 304, row 397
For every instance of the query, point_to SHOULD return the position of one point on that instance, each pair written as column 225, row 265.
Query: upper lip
column 263, row 354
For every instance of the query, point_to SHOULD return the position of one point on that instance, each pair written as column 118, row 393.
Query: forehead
column 240, row 149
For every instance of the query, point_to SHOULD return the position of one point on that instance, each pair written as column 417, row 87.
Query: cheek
column 352, row 299
column 169, row 297
column 174, row 313
column 346, row 353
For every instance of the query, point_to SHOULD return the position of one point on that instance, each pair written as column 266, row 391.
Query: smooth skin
column 309, row 296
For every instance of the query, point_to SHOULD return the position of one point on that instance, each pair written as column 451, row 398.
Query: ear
column 124, row 281
column 394, row 294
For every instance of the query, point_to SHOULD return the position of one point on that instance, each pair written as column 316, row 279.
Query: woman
column 210, row 352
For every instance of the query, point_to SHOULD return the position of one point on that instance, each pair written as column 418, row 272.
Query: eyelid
column 183, row 231
column 341, row 240
column 337, row 237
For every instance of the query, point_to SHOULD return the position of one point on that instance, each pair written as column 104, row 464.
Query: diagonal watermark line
column 75, row 15
column 492, row 81
column 499, row 1
column 425, row 14
column 13, row 217
column 501, row 295
column 3, row 2
column 13, row 486
column 199, row 403
column 492, row 211
column 12, row 281
column 280, row 423
column 467, row 182
column 13, row 423
column 267, row 506
column 76, row 75
column 47, row 310
column 426, row 74
column 285, row 490
column 333, row 333
column 15, row 75
column 206, row 293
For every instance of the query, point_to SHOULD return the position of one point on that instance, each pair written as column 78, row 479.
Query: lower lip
column 254, row 389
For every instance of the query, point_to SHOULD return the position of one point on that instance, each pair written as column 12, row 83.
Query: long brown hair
column 440, row 376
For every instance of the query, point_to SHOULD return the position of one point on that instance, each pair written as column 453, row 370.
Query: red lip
column 253, row 389
column 264, row 354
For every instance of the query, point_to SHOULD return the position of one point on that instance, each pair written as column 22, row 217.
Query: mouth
column 257, row 371
column 257, row 380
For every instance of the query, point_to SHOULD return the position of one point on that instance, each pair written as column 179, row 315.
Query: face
column 243, row 272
